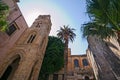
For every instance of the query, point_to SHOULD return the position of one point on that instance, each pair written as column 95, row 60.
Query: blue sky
column 63, row 12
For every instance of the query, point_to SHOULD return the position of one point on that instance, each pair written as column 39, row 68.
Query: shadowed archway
column 87, row 78
column 10, row 70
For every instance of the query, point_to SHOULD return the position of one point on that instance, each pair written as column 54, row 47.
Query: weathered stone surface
column 15, row 17
column 75, row 71
column 23, row 51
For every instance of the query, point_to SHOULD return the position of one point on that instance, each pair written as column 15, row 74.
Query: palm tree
column 3, row 16
column 66, row 34
column 105, row 18
column 105, row 22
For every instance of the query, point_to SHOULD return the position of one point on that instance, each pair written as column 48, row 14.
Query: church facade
column 78, row 68
column 22, row 48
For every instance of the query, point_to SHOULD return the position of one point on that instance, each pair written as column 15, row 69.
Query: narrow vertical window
column 85, row 62
column 63, row 77
column 30, row 40
column 76, row 63
column 39, row 24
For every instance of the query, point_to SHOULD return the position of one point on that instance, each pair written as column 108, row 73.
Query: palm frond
column 99, row 30
column 105, row 12
column 66, row 33
column 105, row 18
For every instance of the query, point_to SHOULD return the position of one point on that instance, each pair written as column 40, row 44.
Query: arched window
column 76, row 63
column 31, row 38
column 85, row 62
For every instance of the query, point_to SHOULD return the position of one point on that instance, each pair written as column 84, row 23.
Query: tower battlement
column 42, row 20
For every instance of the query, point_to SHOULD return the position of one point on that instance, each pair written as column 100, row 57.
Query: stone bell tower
column 24, row 60
column 22, row 48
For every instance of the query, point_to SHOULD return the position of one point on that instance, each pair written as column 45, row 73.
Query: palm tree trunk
column 118, row 34
column 107, row 62
column 65, row 59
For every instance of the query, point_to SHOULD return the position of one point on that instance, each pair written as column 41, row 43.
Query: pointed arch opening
column 85, row 62
column 10, row 70
column 87, row 78
column 76, row 63
column 31, row 36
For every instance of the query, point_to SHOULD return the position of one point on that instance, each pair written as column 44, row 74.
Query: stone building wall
column 15, row 17
column 76, row 70
column 22, row 52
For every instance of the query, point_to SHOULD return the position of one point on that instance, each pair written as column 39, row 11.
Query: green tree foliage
column 54, row 57
column 3, row 16
column 66, row 34
column 93, row 28
column 105, row 18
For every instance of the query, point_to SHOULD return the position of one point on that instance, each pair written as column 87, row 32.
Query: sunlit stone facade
column 78, row 68
column 22, row 48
